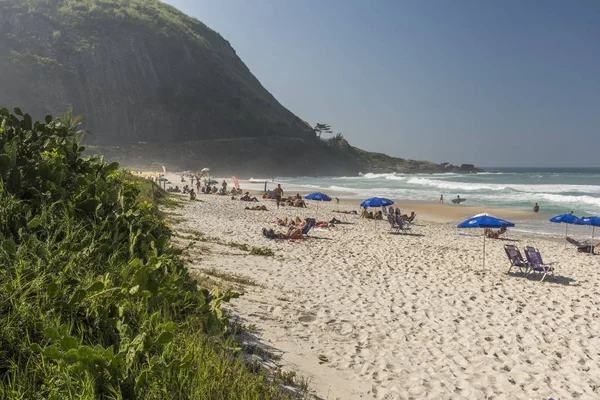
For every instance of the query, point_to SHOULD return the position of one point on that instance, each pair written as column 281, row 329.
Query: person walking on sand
column 278, row 192
column 441, row 199
column 536, row 208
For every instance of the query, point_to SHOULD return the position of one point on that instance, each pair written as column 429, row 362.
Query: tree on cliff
column 322, row 128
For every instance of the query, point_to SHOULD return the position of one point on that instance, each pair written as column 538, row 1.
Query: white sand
column 410, row 316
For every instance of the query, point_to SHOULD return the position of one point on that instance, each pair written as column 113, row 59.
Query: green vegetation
column 95, row 301
column 153, row 14
column 262, row 251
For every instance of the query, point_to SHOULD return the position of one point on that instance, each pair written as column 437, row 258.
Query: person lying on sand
column 246, row 197
column 257, row 208
column 282, row 222
column 494, row 234
column 353, row 212
column 292, row 234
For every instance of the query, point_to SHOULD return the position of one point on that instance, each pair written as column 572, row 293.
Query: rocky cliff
column 160, row 88
column 138, row 69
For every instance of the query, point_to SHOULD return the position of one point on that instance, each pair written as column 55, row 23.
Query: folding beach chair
column 536, row 264
column 516, row 259
column 306, row 229
column 393, row 226
column 401, row 226
column 583, row 247
column 384, row 210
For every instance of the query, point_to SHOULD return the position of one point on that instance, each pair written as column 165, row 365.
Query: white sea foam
column 471, row 186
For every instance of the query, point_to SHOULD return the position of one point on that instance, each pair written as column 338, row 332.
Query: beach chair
column 583, row 247
column 393, row 226
column 384, row 210
column 307, row 227
column 516, row 259
column 536, row 264
column 391, row 210
column 401, row 225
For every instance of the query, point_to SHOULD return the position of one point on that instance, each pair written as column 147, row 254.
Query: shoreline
column 527, row 222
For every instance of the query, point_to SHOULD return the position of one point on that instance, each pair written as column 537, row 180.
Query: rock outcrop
column 140, row 71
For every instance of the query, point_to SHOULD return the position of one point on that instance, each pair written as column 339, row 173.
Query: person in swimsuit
column 278, row 192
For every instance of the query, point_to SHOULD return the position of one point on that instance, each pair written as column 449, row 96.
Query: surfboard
column 458, row 201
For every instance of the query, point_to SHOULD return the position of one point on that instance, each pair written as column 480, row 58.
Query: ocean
column 556, row 190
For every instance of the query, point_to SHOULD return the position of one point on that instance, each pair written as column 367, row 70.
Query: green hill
column 140, row 70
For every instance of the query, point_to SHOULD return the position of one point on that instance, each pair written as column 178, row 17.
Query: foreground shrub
column 94, row 300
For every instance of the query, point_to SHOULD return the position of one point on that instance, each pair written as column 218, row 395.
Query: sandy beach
column 363, row 313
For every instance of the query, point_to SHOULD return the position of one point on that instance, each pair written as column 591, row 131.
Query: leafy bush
column 95, row 302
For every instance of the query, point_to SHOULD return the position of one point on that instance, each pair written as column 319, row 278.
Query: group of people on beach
column 290, row 201
column 365, row 213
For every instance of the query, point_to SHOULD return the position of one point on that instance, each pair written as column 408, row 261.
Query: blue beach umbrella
column 565, row 218
column 376, row 202
column 484, row 221
column 318, row 196
column 591, row 221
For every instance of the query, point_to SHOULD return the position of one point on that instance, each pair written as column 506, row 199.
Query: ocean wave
column 471, row 186
column 460, row 186
column 261, row 180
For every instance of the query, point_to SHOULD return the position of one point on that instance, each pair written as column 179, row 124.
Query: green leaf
column 95, row 287
column 52, row 352
column 36, row 348
column 170, row 326
column 9, row 246
column 134, row 289
column 68, row 343
column 88, row 206
column 77, row 296
column 71, row 356
column 141, row 276
column 34, row 223
column 18, row 111
column 48, row 119
column 164, row 338
column 52, row 333
column 85, row 352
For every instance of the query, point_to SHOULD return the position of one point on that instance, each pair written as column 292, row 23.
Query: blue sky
column 495, row 83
